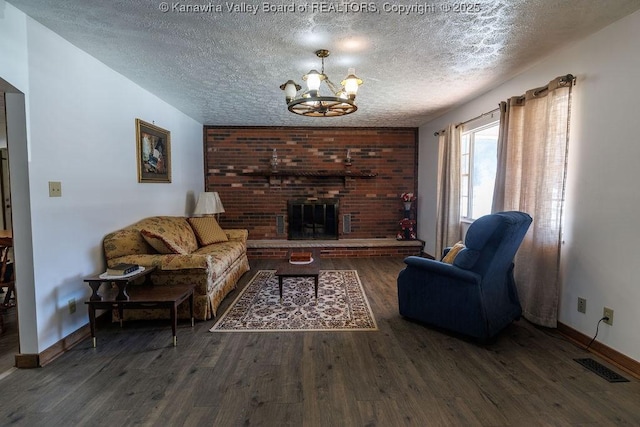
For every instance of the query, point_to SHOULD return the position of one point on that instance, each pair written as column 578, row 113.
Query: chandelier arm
column 332, row 86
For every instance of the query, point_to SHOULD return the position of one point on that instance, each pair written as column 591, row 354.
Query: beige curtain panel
column 532, row 158
column 448, row 202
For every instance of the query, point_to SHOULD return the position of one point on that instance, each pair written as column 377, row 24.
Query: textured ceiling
column 224, row 67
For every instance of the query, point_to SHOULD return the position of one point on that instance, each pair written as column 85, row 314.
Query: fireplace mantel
column 355, row 174
column 282, row 173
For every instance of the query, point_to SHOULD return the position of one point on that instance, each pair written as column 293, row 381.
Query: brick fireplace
column 311, row 166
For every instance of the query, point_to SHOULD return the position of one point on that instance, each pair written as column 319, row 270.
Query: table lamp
column 209, row 203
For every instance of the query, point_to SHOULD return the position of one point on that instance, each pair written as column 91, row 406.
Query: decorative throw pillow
column 451, row 255
column 208, row 230
column 466, row 258
column 161, row 243
column 173, row 230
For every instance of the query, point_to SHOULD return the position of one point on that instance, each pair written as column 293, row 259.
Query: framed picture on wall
column 153, row 152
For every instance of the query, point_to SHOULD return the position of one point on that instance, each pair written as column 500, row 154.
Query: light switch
column 55, row 189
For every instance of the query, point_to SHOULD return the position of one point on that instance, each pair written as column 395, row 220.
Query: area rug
column 341, row 305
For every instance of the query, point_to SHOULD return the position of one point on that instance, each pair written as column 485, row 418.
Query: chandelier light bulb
column 313, row 80
column 290, row 90
column 351, row 83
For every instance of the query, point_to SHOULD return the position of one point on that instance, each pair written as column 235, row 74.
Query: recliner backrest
column 493, row 241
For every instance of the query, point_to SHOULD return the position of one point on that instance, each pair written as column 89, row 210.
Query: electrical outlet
column 608, row 312
column 72, row 305
column 55, row 189
column 582, row 305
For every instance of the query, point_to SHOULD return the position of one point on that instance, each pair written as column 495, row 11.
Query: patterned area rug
column 341, row 305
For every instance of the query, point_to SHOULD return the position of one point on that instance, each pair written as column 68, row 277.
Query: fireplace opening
column 313, row 219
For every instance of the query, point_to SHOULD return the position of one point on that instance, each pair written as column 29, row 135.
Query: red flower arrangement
column 408, row 197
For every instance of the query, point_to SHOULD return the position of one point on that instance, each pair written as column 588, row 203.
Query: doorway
column 9, row 336
column 5, row 189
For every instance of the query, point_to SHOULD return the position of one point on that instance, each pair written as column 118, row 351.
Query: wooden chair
column 7, row 280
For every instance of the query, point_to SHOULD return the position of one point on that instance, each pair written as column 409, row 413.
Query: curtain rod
column 565, row 80
column 478, row 117
column 470, row 120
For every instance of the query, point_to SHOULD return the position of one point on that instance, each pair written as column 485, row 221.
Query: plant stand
column 407, row 223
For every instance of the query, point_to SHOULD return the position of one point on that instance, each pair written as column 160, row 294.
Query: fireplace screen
column 313, row 219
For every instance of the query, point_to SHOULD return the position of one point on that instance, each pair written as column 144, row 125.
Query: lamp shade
column 290, row 90
column 209, row 203
column 351, row 83
column 313, row 79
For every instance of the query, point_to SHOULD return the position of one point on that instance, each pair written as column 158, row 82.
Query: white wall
column 598, row 256
column 81, row 131
column 3, row 123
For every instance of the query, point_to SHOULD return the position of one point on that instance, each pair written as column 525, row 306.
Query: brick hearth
column 347, row 248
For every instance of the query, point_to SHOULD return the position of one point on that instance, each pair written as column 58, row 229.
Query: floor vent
column 346, row 223
column 602, row 370
column 280, row 225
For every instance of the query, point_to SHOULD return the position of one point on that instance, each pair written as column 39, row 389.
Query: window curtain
column 448, row 202
column 531, row 175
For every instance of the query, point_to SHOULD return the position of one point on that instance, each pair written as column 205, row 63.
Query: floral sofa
column 184, row 251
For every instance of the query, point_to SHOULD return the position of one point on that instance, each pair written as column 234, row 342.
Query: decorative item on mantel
column 274, row 160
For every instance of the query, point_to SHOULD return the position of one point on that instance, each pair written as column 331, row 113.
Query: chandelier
column 312, row 103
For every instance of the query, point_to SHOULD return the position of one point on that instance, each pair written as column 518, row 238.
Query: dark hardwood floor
column 402, row 374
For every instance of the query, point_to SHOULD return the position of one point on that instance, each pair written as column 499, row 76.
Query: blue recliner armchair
column 476, row 295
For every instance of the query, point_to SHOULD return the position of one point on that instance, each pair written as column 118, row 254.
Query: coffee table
column 121, row 297
column 285, row 269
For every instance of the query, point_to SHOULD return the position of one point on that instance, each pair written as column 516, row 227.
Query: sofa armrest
column 237, row 234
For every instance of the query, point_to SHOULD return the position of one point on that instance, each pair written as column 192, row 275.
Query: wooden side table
column 120, row 281
column 145, row 296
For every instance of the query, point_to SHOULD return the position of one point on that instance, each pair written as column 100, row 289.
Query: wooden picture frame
column 153, row 148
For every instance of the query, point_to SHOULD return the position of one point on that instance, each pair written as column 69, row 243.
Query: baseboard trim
column 65, row 344
column 612, row 356
column 27, row 360
column 30, row 361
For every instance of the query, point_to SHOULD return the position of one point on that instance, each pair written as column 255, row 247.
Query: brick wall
column 253, row 202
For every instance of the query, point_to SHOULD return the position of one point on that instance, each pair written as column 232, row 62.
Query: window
column 479, row 153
